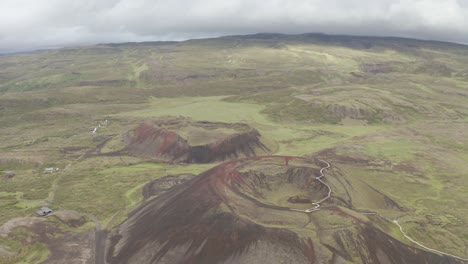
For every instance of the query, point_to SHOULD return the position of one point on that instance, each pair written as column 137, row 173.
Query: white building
column 51, row 170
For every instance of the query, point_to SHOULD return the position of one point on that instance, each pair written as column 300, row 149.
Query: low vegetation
column 391, row 115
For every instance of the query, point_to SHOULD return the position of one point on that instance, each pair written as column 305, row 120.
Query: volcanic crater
column 241, row 212
column 186, row 141
column 280, row 185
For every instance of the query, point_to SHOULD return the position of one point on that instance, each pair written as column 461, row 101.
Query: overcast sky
column 36, row 24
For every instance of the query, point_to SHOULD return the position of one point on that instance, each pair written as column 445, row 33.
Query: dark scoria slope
column 150, row 140
column 238, row 212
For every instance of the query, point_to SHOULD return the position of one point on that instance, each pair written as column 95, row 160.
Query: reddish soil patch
column 157, row 142
column 151, row 141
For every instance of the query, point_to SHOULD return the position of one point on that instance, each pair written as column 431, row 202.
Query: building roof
column 44, row 210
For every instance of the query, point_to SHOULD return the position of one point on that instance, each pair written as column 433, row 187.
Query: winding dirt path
column 317, row 204
column 101, row 234
column 411, row 239
column 317, row 207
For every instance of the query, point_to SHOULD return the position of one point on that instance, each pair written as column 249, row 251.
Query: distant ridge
column 348, row 39
column 352, row 41
column 144, row 43
column 11, row 53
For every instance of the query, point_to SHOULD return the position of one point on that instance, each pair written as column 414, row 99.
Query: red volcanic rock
column 213, row 218
column 151, row 141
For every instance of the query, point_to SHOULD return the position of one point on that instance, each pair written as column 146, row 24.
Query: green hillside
column 390, row 113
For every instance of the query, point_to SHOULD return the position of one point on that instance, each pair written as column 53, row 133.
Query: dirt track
column 100, row 237
column 411, row 239
column 317, row 204
column 100, row 246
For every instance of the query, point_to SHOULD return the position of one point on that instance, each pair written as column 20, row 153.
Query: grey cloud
column 32, row 24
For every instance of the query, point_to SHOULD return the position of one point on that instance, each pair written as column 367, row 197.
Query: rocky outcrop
column 351, row 111
column 150, row 141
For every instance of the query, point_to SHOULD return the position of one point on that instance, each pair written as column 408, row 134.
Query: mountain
column 217, row 151
column 239, row 212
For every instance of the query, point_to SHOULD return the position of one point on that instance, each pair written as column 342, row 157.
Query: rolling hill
column 209, row 150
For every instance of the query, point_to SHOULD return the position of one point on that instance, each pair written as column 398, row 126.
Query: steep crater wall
column 154, row 141
column 206, row 220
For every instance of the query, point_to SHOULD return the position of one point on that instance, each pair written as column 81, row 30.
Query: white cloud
column 29, row 24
